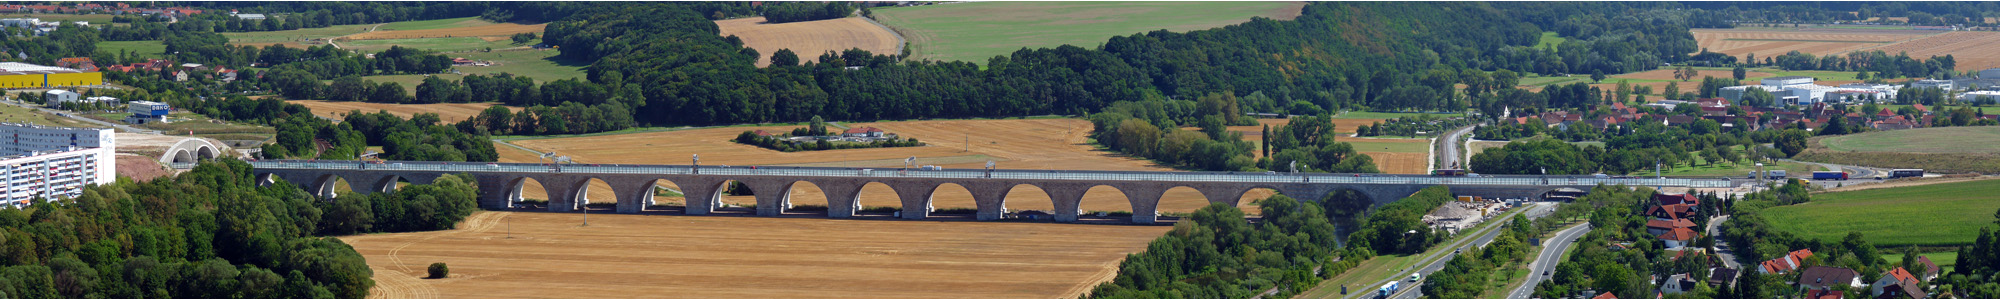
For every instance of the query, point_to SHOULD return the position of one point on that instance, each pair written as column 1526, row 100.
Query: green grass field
column 1944, row 260
column 16, row 114
column 147, row 49
column 1540, row 81
column 542, row 65
column 1742, row 169
column 1988, row 109
column 94, row 19
column 453, row 44
column 1550, row 40
column 1944, row 214
column 435, row 24
column 1386, row 115
column 977, row 31
column 1924, row 140
column 294, row 36
column 1816, row 75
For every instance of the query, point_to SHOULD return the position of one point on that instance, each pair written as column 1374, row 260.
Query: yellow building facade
column 24, row 81
column 75, row 79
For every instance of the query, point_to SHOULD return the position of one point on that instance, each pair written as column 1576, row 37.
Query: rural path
column 1545, row 263
column 329, row 41
column 902, row 45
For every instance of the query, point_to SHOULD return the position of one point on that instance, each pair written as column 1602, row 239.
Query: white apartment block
column 53, row 162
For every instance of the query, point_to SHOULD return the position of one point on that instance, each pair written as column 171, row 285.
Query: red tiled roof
column 1671, row 199
column 862, row 130
column 1605, row 295
column 1824, row 294
column 1669, row 224
column 1678, row 234
column 1902, row 275
column 1929, row 267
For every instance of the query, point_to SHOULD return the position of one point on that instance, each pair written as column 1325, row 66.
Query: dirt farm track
column 668, row 256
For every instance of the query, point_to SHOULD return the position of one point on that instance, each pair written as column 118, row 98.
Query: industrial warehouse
column 15, row 75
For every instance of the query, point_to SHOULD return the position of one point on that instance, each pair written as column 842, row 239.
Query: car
column 1415, row 276
column 1545, row 272
column 493, row 165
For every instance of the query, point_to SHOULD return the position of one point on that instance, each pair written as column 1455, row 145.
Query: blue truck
column 1388, row 289
column 1829, row 175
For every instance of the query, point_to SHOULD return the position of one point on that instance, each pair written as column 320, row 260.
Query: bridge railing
column 978, row 173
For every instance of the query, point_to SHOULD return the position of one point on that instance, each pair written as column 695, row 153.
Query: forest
column 211, row 232
column 1214, row 254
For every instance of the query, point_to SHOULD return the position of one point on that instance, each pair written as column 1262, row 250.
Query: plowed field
column 1770, row 42
column 1973, row 50
column 810, row 39
column 547, row 255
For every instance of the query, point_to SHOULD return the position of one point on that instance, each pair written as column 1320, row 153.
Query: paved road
column 1545, row 263
column 1722, row 249
column 121, row 127
column 1412, row 290
column 1453, row 143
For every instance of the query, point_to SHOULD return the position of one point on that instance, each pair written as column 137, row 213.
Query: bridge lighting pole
column 697, row 163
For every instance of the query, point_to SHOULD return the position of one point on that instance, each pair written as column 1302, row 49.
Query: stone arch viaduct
column 500, row 184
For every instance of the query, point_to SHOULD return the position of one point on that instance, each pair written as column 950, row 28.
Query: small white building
column 1979, row 95
column 59, row 96
column 101, row 99
column 1932, row 83
column 1785, row 81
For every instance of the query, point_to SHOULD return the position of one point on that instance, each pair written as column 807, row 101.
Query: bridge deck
column 1235, row 177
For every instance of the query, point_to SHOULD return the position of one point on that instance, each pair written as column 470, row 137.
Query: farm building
column 250, row 16
column 862, row 132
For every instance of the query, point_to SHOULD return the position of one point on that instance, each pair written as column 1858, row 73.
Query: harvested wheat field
column 448, row 112
column 1769, row 42
column 812, row 38
column 501, row 29
column 1035, row 144
column 1401, row 162
column 1973, row 50
column 547, row 255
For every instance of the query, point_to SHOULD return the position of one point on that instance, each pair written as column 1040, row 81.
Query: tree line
column 784, row 143
column 787, row 12
column 856, row 85
column 1216, row 254
column 211, row 232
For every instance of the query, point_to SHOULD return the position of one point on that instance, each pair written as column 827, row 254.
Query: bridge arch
column 517, row 192
column 324, row 185
column 190, row 150
column 579, row 194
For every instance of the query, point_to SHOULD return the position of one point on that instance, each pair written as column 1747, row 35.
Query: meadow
column 94, row 19
column 1945, row 214
column 447, row 112
column 977, row 31
column 144, row 49
column 1926, row 140
column 542, row 65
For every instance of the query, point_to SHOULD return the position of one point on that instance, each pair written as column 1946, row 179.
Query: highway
column 1266, row 177
column 1413, row 290
column 1545, row 263
column 1453, row 143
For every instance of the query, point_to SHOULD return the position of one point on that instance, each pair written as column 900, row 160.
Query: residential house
column 1718, row 277
column 1826, row 278
column 1824, row 294
column 1791, row 261
column 1678, row 283
column 862, row 132
column 1672, row 199
column 1930, row 269
column 1678, row 237
column 1659, row 226
column 1605, row 295
column 461, row 61
column 1899, row 283
column 78, row 63
column 181, row 75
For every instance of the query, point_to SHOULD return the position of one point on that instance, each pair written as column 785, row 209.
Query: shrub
column 809, row 207
column 956, row 211
column 438, row 270
column 880, row 209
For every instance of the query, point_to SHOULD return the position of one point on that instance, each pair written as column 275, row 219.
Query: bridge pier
column 703, row 193
column 634, row 193
column 1145, row 200
column 841, row 196
column 1067, row 197
column 774, row 196
column 497, row 191
column 990, row 197
column 915, row 197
